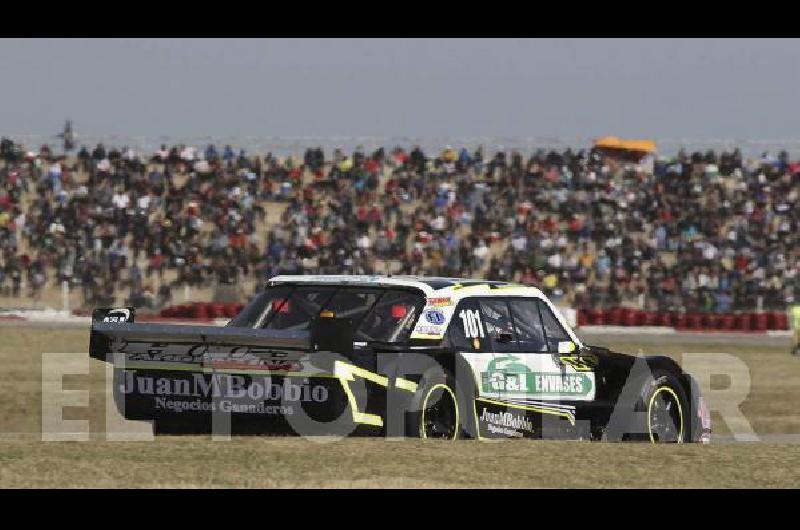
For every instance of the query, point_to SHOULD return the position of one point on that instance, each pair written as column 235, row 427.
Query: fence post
column 65, row 295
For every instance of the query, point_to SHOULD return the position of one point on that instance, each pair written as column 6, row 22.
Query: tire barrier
column 683, row 321
column 202, row 310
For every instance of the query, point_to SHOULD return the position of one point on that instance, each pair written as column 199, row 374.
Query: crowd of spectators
column 696, row 232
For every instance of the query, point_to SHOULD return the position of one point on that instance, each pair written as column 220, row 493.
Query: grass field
column 198, row 461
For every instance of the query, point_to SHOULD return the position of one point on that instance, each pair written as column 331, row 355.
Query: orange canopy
column 613, row 142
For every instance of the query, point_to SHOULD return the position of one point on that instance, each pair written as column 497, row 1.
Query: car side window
column 261, row 308
column 528, row 323
column 297, row 311
column 553, row 330
column 499, row 326
column 467, row 331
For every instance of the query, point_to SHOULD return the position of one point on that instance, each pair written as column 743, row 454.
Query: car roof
column 441, row 283
column 431, row 286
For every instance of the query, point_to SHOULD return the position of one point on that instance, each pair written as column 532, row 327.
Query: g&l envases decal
column 506, row 374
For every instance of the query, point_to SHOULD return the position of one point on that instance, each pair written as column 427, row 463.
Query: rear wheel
column 435, row 411
column 439, row 413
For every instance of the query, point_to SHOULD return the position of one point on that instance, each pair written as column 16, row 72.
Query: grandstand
column 597, row 228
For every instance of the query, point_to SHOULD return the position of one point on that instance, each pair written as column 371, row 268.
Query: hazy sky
column 395, row 87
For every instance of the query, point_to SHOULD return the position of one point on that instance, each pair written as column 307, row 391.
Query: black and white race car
column 395, row 356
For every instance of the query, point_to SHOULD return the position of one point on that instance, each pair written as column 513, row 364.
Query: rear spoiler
column 115, row 325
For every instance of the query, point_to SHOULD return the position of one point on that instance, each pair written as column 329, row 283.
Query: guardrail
column 681, row 321
column 202, row 310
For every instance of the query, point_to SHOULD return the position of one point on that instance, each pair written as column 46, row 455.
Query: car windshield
column 378, row 314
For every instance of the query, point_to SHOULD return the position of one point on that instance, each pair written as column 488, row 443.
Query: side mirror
column 566, row 346
column 503, row 337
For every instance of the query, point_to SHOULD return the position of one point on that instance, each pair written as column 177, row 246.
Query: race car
column 394, row 356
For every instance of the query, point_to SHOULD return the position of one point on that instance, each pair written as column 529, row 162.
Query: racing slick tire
column 667, row 410
column 438, row 410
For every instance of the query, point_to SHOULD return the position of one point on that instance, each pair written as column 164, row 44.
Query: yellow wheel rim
column 447, row 389
column 676, row 400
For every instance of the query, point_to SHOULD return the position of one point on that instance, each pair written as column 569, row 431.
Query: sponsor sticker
column 440, row 302
column 433, row 321
column 230, row 393
column 435, row 316
column 505, row 423
column 508, row 375
column 429, row 330
column 242, row 359
column 117, row 315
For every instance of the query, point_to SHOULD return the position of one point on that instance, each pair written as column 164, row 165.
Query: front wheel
column 666, row 411
column 665, row 415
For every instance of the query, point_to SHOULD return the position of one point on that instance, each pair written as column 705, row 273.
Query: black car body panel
column 319, row 375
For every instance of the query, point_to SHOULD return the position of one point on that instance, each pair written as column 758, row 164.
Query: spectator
column 700, row 231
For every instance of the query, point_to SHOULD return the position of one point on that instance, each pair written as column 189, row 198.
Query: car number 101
column 471, row 318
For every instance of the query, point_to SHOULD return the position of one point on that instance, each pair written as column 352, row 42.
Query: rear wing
column 113, row 329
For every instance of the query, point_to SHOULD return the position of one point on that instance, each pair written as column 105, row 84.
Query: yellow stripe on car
column 405, row 384
column 347, row 373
